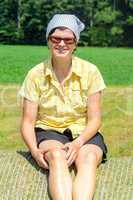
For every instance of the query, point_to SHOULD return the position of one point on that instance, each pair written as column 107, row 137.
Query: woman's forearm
column 90, row 130
column 28, row 134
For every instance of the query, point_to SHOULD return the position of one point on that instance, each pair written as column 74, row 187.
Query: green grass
column 17, row 60
column 116, row 64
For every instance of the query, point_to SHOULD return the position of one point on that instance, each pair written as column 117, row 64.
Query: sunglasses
column 57, row 40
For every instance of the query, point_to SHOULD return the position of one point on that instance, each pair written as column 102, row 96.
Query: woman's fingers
column 68, row 149
column 71, row 152
column 68, row 153
column 43, row 163
column 71, row 159
column 41, row 160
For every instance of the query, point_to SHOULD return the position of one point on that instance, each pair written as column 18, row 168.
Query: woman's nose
column 62, row 42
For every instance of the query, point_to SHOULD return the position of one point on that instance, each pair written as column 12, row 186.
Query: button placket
column 58, row 87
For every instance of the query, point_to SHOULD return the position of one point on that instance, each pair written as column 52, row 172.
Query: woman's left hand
column 71, row 149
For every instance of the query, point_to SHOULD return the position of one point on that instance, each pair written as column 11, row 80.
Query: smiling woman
column 62, row 116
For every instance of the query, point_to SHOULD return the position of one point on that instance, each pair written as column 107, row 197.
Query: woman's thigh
column 48, row 145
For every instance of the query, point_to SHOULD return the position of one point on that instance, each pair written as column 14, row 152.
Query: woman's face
column 62, row 43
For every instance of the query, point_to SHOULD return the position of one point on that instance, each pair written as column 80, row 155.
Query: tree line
column 108, row 22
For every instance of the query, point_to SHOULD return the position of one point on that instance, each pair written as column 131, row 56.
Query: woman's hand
column 72, row 149
column 38, row 155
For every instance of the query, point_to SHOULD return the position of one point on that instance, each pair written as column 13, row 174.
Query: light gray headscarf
column 66, row 20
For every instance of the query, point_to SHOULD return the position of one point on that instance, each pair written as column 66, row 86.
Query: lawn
column 116, row 64
column 116, row 67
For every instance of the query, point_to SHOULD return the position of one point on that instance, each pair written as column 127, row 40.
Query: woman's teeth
column 61, row 50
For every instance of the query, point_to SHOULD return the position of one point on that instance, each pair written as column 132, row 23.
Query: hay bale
column 22, row 179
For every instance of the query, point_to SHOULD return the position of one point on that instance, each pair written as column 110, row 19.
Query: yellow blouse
column 60, row 109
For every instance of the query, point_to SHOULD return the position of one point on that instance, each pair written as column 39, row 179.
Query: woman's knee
column 88, row 160
column 90, row 157
column 55, row 154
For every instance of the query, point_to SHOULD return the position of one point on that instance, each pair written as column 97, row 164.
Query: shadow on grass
column 27, row 155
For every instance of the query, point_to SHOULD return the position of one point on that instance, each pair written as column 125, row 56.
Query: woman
column 62, row 115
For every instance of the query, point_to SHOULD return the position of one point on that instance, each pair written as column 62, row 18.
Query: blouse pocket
column 45, row 94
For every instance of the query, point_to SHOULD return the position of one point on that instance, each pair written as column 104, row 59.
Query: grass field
column 116, row 67
column 116, row 64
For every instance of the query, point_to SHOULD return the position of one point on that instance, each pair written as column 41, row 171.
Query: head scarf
column 66, row 20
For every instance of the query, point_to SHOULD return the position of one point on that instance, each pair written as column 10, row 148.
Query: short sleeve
column 29, row 89
column 97, row 83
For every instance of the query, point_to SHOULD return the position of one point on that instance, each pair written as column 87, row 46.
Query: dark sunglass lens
column 55, row 39
column 69, row 40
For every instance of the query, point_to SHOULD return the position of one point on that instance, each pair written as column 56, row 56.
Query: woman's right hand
column 38, row 155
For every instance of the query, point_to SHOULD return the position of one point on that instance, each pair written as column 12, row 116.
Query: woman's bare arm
column 28, row 124
column 30, row 110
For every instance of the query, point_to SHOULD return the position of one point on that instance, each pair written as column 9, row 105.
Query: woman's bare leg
column 60, row 183
column 86, row 163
